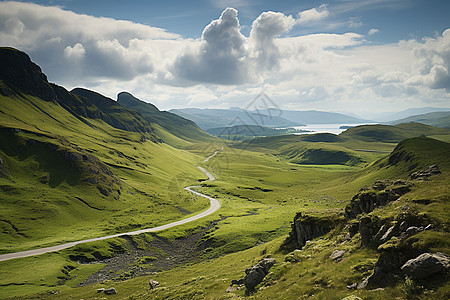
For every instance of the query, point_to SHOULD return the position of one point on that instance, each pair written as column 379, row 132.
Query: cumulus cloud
column 313, row 14
column 267, row 27
column 225, row 68
column 220, row 58
column 432, row 61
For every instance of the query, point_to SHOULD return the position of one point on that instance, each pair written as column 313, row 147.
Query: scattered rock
column 110, row 291
column 153, row 284
column 426, row 265
column 337, row 255
column 100, row 290
column 256, row 274
column 424, row 174
column 412, row 230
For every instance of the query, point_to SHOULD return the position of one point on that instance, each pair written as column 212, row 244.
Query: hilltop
column 437, row 119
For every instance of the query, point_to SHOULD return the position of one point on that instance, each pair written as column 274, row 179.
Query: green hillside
column 177, row 126
column 392, row 134
column 82, row 171
column 437, row 119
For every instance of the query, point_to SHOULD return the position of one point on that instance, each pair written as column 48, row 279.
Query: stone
column 101, row 290
column 153, row 284
column 388, row 234
column 256, row 274
column 426, row 265
column 352, row 297
column 403, row 226
column 428, row 227
column 337, row 255
column 412, row 230
column 352, row 286
column 110, row 291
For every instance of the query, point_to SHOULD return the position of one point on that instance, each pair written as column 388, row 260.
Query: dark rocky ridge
column 21, row 76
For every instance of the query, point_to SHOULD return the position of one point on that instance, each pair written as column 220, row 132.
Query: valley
column 119, row 175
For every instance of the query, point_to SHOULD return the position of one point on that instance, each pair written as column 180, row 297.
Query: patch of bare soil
column 160, row 254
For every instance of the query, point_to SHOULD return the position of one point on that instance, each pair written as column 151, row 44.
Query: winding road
column 214, row 206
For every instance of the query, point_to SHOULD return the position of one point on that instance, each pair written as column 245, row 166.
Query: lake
column 326, row 128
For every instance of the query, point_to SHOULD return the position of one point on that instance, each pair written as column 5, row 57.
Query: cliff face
column 17, row 69
column 379, row 194
column 306, row 227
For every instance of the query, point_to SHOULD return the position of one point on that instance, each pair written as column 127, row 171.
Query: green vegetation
column 437, row 119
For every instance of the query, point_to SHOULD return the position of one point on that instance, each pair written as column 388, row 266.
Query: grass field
column 49, row 199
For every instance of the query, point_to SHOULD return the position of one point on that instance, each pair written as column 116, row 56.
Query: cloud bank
column 225, row 68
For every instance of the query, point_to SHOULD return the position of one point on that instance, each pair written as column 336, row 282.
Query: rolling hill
column 436, row 119
column 173, row 124
column 78, row 164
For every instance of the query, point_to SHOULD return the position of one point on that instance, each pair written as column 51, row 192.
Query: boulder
column 256, row 274
column 426, row 265
column 153, row 284
column 110, row 291
column 337, row 255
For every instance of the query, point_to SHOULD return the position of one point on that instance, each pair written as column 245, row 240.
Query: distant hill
column 242, row 132
column 437, row 119
column 173, row 123
column 392, row 134
column 392, row 116
column 214, row 118
column 321, row 117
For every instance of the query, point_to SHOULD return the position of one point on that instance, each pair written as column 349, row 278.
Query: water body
column 326, row 128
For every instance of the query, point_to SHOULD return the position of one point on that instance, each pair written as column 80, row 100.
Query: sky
column 361, row 57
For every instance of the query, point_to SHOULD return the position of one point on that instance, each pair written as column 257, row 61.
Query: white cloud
column 373, row 31
column 313, row 14
column 267, row 27
column 220, row 58
column 225, row 68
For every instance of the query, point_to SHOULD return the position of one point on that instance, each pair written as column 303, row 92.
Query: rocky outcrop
column 379, row 194
column 307, row 227
column 426, row 173
column 256, row 274
column 426, row 265
column 21, row 74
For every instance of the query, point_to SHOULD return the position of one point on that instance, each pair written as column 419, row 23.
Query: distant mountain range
column 214, row 118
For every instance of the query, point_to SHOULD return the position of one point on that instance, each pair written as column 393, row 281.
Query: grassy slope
column 274, row 191
column 438, row 119
column 176, row 131
column 36, row 214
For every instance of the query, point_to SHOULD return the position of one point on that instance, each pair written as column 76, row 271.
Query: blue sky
column 337, row 55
